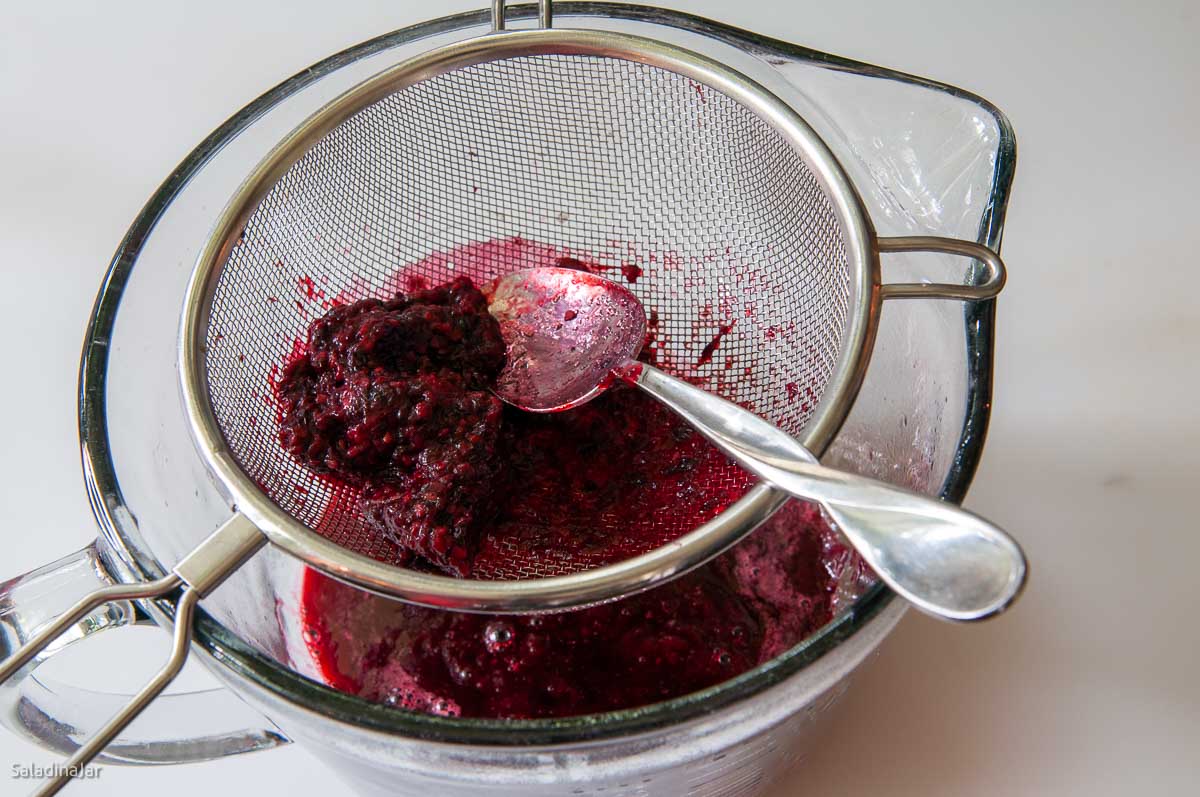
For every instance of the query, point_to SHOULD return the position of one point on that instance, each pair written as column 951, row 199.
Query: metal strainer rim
column 589, row 586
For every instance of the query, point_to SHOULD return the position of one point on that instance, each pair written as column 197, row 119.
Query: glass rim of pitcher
column 248, row 662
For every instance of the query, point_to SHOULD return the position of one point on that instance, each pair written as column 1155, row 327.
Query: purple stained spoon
column 571, row 334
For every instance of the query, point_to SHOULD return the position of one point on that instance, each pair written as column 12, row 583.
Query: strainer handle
column 195, row 576
column 181, row 728
column 994, row 271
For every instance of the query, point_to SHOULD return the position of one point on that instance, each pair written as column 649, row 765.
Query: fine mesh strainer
column 546, row 156
column 548, row 143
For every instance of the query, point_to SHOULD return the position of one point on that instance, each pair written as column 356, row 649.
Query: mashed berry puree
column 391, row 398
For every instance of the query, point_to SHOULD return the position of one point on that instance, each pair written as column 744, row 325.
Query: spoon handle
column 947, row 562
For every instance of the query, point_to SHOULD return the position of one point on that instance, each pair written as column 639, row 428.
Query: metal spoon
column 571, row 334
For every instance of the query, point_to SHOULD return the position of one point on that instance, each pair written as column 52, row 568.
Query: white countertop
column 1090, row 686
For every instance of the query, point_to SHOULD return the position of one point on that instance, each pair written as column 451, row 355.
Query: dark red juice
column 742, row 609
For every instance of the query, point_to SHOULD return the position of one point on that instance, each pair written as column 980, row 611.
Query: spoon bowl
column 565, row 332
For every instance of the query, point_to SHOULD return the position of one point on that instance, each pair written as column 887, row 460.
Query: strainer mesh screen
column 516, row 163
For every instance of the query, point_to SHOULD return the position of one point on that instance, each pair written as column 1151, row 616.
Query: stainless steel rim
column 629, row 576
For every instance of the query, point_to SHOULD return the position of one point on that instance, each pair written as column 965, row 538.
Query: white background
column 1089, row 686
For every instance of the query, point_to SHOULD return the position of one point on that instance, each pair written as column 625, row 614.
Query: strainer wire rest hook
column 545, row 18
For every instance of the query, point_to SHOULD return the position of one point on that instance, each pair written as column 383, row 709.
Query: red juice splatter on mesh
column 710, row 348
column 308, row 287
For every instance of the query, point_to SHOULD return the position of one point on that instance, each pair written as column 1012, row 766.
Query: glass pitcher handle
column 175, row 729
